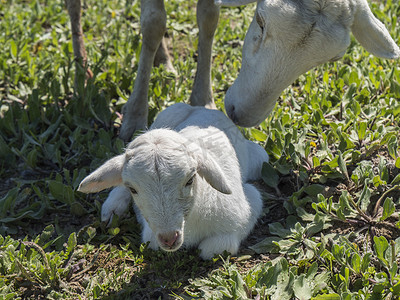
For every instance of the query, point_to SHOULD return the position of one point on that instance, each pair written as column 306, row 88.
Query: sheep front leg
column 74, row 11
column 207, row 19
column 148, row 235
column 153, row 20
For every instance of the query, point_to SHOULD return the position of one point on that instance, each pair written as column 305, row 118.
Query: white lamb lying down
column 188, row 178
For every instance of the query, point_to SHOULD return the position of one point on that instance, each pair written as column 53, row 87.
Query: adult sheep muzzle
column 289, row 37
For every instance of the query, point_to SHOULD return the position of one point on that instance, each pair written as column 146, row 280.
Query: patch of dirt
column 383, row 229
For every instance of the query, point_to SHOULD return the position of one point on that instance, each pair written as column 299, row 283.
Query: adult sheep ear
column 372, row 34
column 106, row 176
column 212, row 173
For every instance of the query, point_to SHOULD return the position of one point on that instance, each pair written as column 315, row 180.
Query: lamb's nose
column 168, row 239
column 230, row 111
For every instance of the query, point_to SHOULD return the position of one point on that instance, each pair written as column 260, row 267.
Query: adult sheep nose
column 168, row 239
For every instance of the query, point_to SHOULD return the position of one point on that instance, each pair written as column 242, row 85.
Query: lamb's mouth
column 170, row 249
column 170, row 241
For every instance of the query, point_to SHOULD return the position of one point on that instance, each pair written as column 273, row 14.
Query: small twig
column 393, row 245
column 356, row 221
column 388, row 224
column 373, row 281
column 277, row 190
column 41, row 252
column 25, row 273
column 362, row 214
column 75, row 268
column 378, row 203
column 56, row 279
column 273, row 197
column 69, row 259
column 308, row 163
column 73, row 277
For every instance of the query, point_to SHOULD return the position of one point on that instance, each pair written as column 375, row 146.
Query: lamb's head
column 163, row 170
column 287, row 38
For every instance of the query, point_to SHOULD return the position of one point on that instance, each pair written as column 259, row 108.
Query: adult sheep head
column 287, row 38
column 163, row 171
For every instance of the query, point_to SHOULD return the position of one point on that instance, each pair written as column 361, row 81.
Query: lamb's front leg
column 217, row 244
column 207, row 19
column 74, row 11
column 153, row 22
column 117, row 203
column 148, row 235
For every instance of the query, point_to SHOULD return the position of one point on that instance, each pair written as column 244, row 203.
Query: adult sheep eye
column 190, row 181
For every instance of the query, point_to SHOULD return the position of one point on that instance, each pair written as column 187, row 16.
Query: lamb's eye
column 260, row 22
column 190, row 181
column 133, row 191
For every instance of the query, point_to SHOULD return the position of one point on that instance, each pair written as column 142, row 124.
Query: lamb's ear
column 372, row 34
column 212, row 173
column 106, row 176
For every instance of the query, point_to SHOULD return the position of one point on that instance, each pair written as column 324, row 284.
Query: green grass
column 330, row 229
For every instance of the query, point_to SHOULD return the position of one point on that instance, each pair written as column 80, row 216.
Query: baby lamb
column 188, row 176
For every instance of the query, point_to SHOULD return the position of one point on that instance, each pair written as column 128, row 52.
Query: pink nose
column 168, row 239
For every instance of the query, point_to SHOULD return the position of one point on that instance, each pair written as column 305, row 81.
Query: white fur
column 287, row 38
column 215, row 211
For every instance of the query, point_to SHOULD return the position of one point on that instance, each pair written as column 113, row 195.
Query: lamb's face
column 285, row 39
column 161, row 177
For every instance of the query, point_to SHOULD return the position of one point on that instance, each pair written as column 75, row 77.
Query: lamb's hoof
column 170, row 68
